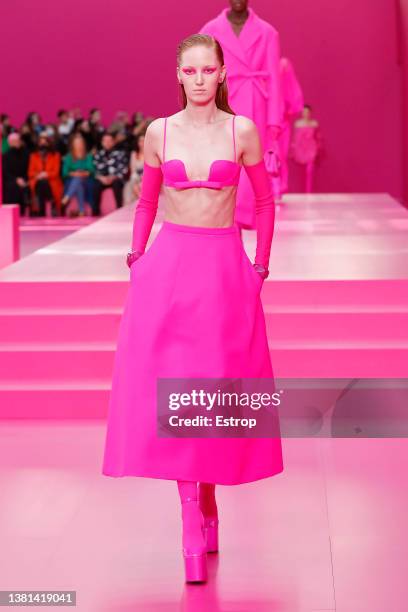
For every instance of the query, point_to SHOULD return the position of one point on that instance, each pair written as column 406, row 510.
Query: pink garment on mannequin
column 293, row 103
column 252, row 61
column 305, row 143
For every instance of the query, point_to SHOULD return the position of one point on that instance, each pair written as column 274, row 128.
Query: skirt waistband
column 199, row 229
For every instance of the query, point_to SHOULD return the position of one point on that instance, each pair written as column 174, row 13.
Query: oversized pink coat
column 293, row 103
column 252, row 62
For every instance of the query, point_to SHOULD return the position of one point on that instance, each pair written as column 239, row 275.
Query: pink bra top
column 223, row 172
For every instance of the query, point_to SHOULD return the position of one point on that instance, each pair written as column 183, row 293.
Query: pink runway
column 329, row 533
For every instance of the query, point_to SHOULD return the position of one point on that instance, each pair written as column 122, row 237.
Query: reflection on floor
column 329, row 533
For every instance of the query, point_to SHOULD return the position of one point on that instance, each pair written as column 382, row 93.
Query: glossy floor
column 329, row 533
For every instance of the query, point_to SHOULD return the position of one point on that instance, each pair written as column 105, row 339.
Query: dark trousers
column 14, row 194
column 117, row 188
column 43, row 193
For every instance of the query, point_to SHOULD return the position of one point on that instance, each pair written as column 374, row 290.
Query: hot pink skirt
column 193, row 309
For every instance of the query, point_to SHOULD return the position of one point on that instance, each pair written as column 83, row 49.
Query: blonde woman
column 193, row 308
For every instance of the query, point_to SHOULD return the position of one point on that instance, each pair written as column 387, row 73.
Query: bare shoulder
column 155, row 129
column 249, row 142
column 153, row 141
column 245, row 127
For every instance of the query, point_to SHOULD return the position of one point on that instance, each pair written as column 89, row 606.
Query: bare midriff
column 200, row 206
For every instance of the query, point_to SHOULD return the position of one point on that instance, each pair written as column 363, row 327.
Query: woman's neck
column 201, row 115
column 237, row 17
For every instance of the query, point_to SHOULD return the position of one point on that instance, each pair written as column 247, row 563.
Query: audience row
column 75, row 158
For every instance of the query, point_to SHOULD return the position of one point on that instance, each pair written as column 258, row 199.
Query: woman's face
column 239, row 5
column 96, row 116
column 306, row 114
column 78, row 147
column 200, row 73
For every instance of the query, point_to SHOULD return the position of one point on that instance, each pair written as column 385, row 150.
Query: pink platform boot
column 208, row 505
column 211, row 533
column 195, row 556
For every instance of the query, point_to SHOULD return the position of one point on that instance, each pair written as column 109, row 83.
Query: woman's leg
column 71, row 187
column 206, row 499
column 89, row 191
column 194, row 543
column 193, row 538
column 97, row 194
column 43, row 193
column 80, row 193
column 208, row 506
column 309, row 177
column 117, row 187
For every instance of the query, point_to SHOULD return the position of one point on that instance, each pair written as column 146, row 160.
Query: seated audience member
column 5, row 129
column 15, row 173
column 96, row 127
column 133, row 186
column 138, row 124
column 52, row 133
column 44, row 176
column 34, row 122
column 82, row 127
column 111, row 170
column 65, row 125
column 77, row 171
column 122, row 141
column 29, row 137
column 30, row 130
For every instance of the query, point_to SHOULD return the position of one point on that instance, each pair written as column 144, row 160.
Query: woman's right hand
column 132, row 256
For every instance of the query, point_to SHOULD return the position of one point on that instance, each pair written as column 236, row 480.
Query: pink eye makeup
column 207, row 70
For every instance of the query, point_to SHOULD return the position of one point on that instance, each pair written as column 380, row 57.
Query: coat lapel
column 250, row 33
column 240, row 46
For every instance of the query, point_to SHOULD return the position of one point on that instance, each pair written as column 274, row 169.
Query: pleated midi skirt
column 193, row 309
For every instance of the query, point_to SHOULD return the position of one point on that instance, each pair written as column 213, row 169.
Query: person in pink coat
column 293, row 103
column 306, row 144
column 251, row 49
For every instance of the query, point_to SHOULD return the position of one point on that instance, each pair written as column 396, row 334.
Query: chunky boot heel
column 195, row 558
column 195, row 566
column 211, row 534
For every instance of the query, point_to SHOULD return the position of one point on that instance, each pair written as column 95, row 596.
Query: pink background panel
column 121, row 55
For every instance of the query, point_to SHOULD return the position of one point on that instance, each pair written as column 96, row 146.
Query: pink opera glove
column 265, row 214
column 146, row 210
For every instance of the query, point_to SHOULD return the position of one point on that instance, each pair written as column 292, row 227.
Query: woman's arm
column 147, row 205
column 254, row 164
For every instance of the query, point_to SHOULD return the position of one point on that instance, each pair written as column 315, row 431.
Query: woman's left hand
column 262, row 271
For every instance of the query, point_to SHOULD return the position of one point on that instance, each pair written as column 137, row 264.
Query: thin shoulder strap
column 164, row 138
column 233, row 138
